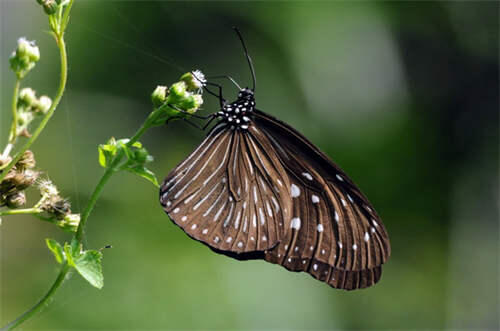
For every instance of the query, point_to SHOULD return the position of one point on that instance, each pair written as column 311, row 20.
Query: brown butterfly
column 256, row 188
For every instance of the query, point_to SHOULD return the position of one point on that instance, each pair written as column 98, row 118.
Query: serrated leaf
column 56, row 249
column 143, row 172
column 88, row 265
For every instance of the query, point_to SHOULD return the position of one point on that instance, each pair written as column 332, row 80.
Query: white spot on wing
column 339, row 178
column 314, row 198
column 295, row 191
column 354, row 247
column 295, row 223
column 367, row 236
column 262, row 217
column 176, row 210
column 307, row 175
column 320, row 228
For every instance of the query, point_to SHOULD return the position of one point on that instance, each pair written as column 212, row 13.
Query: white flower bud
column 44, row 104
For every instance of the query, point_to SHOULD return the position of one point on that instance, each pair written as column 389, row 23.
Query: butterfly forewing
column 226, row 194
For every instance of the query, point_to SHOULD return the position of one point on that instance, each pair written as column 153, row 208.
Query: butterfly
column 256, row 188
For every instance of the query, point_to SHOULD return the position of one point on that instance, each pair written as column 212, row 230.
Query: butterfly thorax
column 238, row 113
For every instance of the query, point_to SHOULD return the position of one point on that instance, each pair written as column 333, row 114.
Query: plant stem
column 43, row 301
column 13, row 130
column 107, row 174
column 46, row 118
column 20, row 211
column 95, row 195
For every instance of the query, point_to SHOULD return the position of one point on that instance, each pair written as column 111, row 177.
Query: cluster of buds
column 51, row 6
column 18, row 179
column 57, row 208
column 183, row 96
column 28, row 106
column 24, row 58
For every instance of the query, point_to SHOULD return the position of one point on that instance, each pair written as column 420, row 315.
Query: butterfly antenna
column 250, row 64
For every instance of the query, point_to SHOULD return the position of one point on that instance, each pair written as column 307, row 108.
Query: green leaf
column 88, row 265
column 143, row 172
column 107, row 152
column 56, row 249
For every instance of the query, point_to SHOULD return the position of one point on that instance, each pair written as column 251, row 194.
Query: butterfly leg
column 193, row 115
column 222, row 101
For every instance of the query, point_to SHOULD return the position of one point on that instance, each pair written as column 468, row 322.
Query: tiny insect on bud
column 16, row 200
column 27, row 97
column 159, row 96
column 44, row 104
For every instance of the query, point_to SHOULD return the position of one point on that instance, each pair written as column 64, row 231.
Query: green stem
column 113, row 167
column 20, row 211
column 95, row 195
column 43, row 301
column 46, row 118
column 15, row 97
column 65, row 18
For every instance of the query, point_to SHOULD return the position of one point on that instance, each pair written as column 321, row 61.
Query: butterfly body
column 256, row 188
column 238, row 113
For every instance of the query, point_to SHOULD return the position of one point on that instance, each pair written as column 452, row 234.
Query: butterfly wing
column 229, row 193
column 335, row 233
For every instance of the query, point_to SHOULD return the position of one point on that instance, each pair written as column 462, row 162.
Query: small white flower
column 199, row 79
column 44, row 103
column 47, row 188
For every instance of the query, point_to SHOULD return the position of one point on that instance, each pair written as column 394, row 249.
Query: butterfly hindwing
column 336, row 235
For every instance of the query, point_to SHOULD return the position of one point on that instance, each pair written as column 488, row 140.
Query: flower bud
column 4, row 160
column 23, row 180
column 16, row 200
column 27, row 161
column 50, row 6
column 70, row 222
column 27, row 48
column 47, row 188
column 142, row 156
column 44, row 104
column 195, row 80
column 159, row 96
column 27, row 97
column 25, row 56
column 23, row 119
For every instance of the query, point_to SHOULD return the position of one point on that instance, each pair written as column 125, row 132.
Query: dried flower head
column 15, row 200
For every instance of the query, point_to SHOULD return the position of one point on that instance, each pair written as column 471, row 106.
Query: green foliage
column 111, row 155
column 56, row 249
column 87, row 263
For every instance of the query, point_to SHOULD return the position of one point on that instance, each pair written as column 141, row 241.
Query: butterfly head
column 237, row 113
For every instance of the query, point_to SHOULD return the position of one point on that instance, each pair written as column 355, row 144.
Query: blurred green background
column 402, row 95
